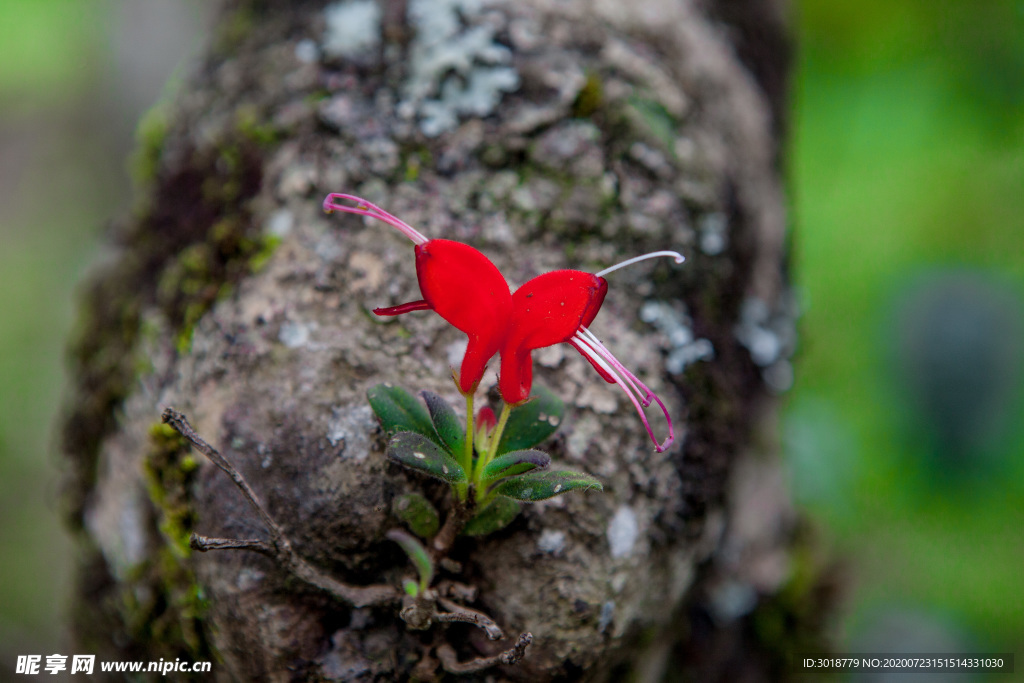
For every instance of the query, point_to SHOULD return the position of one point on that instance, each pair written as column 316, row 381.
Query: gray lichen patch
column 456, row 67
column 353, row 29
column 623, row 531
column 769, row 334
column 677, row 328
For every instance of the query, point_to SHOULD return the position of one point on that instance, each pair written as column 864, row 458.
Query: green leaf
column 516, row 462
column 532, row 422
column 417, row 452
column 447, row 424
column 417, row 553
column 418, row 512
column 492, row 517
column 412, row 589
column 399, row 411
column 535, row 486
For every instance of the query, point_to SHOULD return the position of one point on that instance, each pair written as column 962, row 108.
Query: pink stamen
column 365, row 208
column 592, row 348
column 643, row 391
column 679, row 258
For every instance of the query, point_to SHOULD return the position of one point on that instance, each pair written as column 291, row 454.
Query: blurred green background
column 906, row 169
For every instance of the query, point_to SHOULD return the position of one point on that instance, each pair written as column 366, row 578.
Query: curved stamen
column 592, row 348
column 590, row 352
column 642, row 390
column 365, row 208
column 679, row 258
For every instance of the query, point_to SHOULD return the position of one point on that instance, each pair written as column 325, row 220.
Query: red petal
column 486, row 418
column 546, row 310
column 467, row 290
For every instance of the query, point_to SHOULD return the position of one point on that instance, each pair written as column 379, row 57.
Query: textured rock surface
column 547, row 134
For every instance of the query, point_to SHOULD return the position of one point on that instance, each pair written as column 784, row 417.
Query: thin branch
column 451, row 663
column 205, row 543
column 180, row 424
column 469, row 616
column 280, row 549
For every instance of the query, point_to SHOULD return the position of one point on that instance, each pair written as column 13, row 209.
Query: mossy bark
column 635, row 127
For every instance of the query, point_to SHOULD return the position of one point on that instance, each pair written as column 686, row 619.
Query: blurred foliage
column 906, row 163
column 50, row 69
column 47, row 43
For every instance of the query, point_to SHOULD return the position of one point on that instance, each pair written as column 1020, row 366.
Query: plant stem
column 493, row 441
column 462, row 490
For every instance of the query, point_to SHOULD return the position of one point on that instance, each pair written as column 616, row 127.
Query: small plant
column 489, row 461
column 489, row 467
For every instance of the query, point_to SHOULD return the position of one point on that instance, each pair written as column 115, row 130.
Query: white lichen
column 457, row 67
column 713, row 236
column 673, row 322
column 551, row 542
column 623, row 532
column 279, row 223
column 351, row 429
column 307, row 51
column 353, row 29
column 294, row 335
column 769, row 334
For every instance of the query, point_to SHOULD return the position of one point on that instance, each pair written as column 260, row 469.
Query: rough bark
column 625, row 128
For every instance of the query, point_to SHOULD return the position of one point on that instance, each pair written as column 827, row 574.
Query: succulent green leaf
column 516, row 462
column 532, row 422
column 399, row 411
column 417, row 452
column 534, row 486
column 417, row 553
column 447, row 424
column 412, row 589
column 494, row 516
column 418, row 512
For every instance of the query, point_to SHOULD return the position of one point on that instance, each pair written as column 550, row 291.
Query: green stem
column 493, row 441
column 467, row 453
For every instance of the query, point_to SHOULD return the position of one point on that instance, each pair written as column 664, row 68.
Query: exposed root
column 452, row 665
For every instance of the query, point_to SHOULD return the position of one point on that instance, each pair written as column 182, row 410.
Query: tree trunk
column 549, row 134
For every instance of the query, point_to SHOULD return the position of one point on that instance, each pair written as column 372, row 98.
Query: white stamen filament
column 679, row 258
column 588, row 344
column 644, row 394
column 365, row 208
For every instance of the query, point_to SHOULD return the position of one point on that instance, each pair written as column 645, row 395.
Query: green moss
column 169, row 613
column 150, row 135
column 193, row 236
column 589, row 98
column 262, row 252
column 253, row 128
column 234, row 27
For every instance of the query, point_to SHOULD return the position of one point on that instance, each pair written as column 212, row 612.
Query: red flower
column 457, row 282
column 467, row 290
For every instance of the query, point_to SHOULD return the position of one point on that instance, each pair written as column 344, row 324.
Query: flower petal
column 546, row 310
column 467, row 290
